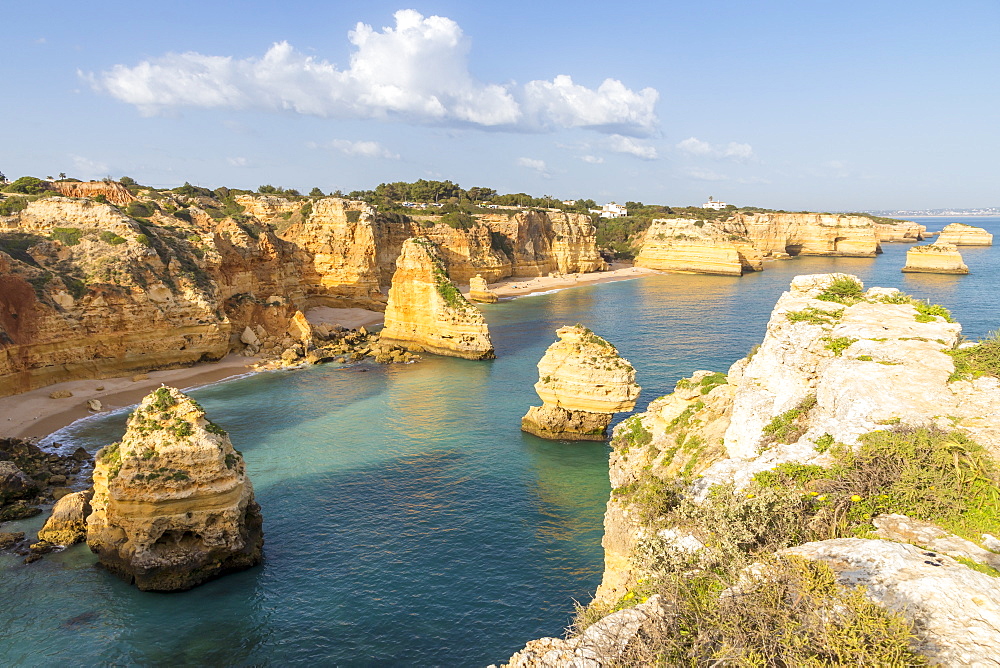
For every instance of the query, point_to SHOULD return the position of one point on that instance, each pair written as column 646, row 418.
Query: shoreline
column 522, row 287
column 34, row 415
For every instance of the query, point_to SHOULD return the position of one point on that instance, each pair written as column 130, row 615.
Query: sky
column 806, row 105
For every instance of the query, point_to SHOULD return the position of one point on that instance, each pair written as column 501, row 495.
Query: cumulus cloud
column 592, row 159
column 620, row 144
column 363, row 149
column 238, row 161
column 416, row 70
column 532, row 163
column 732, row 150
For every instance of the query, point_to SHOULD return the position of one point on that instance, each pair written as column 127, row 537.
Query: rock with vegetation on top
column 68, row 523
column 961, row 234
column 479, row 291
column 582, row 382
column 427, row 312
column 696, row 246
column 173, row 506
column 956, row 609
column 936, row 258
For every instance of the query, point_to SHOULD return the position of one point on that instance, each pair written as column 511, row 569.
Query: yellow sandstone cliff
column 961, row 234
column 172, row 505
column 903, row 231
column 936, row 258
column 427, row 312
column 687, row 245
column 479, row 291
column 582, row 382
column 112, row 191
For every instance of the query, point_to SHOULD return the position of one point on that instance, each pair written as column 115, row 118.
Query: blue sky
column 795, row 105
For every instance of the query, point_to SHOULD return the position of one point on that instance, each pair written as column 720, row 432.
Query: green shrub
column 27, row 185
column 139, row 210
column 814, row 316
column 143, row 240
column 983, row 359
column 68, row 236
column 632, row 434
column 843, row 290
column 162, row 400
column 112, row 238
column 709, row 383
column 839, row 345
column 458, row 220
column 649, row 496
column 926, row 312
column 789, row 426
column 11, row 205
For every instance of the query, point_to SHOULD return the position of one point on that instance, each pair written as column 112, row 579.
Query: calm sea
column 407, row 519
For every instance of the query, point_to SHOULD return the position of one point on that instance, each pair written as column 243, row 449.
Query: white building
column 611, row 210
column 712, row 204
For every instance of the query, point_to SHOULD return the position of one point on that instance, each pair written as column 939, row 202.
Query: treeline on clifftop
column 620, row 237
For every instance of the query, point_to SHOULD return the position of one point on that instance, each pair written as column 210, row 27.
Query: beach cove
column 407, row 519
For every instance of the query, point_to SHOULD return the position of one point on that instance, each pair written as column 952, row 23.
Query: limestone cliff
column 760, row 478
column 961, row 234
column 112, row 191
column 936, row 258
column 582, row 382
column 427, row 312
column 902, row 231
column 686, row 245
column 806, row 233
column 90, row 291
column 479, row 291
column 173, row 506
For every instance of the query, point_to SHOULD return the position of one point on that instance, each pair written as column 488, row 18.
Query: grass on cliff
column 983, row 359
column 843, row 290
column 928, row 474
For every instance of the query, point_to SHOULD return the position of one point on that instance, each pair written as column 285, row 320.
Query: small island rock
column 173, row 506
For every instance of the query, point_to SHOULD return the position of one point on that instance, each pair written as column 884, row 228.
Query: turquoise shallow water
column 408, row 521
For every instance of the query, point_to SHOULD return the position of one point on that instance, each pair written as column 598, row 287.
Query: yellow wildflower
column 855, row 498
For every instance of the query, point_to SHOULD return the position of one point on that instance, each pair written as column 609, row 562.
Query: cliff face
column 172, row 503
column 582, row 382
column 427, row 312
column 904, row 230
column 683, row 245
column 789, row 456
column 113, row 191
column 89, row 292
column 961, row 234
column 937, row 258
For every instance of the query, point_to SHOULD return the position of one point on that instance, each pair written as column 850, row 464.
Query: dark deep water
column 408, row 521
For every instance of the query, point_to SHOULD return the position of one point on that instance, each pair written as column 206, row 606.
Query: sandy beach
column 519, row 287
column 34, row 414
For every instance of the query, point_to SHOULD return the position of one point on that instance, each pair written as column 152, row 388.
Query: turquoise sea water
column 407, row 519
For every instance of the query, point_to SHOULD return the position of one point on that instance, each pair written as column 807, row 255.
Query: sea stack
column 582, row 381
column 694, row 246
column 937, row 258
column 173, row 506
column 426, row 311
column 479, row 291
column 961, row 234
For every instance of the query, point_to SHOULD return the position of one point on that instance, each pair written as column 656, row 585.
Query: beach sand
column 519, row 287
column 34, row 414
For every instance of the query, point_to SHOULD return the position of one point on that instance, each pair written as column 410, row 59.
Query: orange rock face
column 113, row 191
column 427, row 312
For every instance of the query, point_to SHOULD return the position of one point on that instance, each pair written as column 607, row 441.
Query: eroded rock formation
column 426, row 311
column 582, row 382
column 173, row 506
column 936, row 258
column 961, row 234
column 479, row 291
column 792, row 446
column 112, row 191
column 87, row 291
column 684, row 245
column 901, row 231
column 67, row 525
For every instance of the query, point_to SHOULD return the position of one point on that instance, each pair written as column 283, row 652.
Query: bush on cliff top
column 982, row 359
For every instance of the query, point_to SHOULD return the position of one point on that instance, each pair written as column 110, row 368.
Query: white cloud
column 705, row 174
column 87, row 168
column 416, row 71
column 733, row 150
column 532, row 163
column 620, row 144
column 363, row 149
column 238, row 162
column 592, row 159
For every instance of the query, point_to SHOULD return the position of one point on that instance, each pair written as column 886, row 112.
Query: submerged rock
column 427, row 312
column 173, row 506
column 582, row 382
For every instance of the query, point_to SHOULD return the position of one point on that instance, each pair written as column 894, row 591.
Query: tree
column 62, row 175
column 28, row 185
column 316, row 192
column 125, row 180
